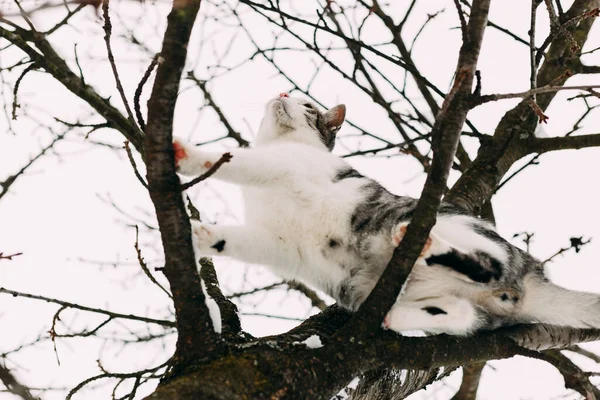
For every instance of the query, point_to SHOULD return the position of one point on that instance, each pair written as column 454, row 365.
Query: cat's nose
column 283, row 95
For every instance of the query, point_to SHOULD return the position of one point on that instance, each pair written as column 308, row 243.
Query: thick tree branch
column 470, row 382
column 544, row 145
column 196, row 337
column 517, row 127
column 229, row 312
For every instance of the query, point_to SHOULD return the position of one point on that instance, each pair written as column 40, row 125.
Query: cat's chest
column 306, row 212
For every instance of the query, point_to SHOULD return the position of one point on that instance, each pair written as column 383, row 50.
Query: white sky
column 55, row 214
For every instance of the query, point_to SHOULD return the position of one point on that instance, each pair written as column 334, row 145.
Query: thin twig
column 224, row 159
column 104, row 375
column 529, row 93
column 52, row 331
column 144, row 266
column 15, row 103
column 463, row 22
column 133, row 164
column 9, row 256
column 89, row 309
column 138, row 91
column 532, row 63
column 111, row 59
column 576, row 244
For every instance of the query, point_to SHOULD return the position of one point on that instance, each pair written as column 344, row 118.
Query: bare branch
column 144, row 266
column 544, row 145
column 231, row 132
column 225, row 158
column 133, row 164
column 56, row 66
column 13, row 385
column 89, row 309
column 10, row 180
column 138, row 91
column 196, row 337
column 111, row 59
column 9, row 256
column 470, row 382
column 532, row 92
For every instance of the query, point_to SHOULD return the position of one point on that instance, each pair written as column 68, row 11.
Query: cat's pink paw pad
column 180, row 152
column 386, row 322
column 401, row 232
column 207, row 240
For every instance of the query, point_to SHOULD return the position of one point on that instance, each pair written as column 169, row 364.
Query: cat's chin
column 281, row 116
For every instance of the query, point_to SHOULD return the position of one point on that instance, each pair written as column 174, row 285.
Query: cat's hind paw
column 207, row 238
column 398, row 234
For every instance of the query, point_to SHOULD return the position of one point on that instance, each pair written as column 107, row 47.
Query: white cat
column 311, row 217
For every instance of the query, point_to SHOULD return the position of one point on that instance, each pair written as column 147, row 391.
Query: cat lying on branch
column 312, row 217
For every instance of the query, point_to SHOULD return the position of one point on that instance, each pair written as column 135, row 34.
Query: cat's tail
column 548, row 303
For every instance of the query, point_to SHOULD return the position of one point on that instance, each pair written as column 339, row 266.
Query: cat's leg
column 446, row 314
column 398, row 233
column 245, row 243
column 455, row 242
column 246, row 166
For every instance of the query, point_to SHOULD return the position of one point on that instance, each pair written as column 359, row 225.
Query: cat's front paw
column 188, row 160
column 207, row 238
column 180, row 153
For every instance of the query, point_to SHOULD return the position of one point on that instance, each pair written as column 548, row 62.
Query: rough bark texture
column 196, row 337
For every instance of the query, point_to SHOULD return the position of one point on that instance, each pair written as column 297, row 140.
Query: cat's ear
column 332, row 121
column 334, row 118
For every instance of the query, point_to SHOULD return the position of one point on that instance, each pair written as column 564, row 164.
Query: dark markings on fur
column 346, row 173
column 333, row 243
column 434, row 310
column 360, row 225
column 380, row 210
column 479, row 267
column 219, row 246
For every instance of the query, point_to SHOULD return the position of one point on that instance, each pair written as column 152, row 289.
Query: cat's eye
column 309, row 105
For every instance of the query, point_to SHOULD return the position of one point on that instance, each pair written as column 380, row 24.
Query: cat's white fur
column 292, row 209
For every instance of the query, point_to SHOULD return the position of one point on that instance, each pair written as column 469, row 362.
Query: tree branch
column 196, row 337
column 58, row 68
column 89, row 309
column 544, row 145
column 449, row 121
column 13, row 385
column 517, row 127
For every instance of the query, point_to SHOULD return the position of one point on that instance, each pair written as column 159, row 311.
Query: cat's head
column 299, row 120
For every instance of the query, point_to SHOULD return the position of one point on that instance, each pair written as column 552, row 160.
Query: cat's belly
column 316, row 233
